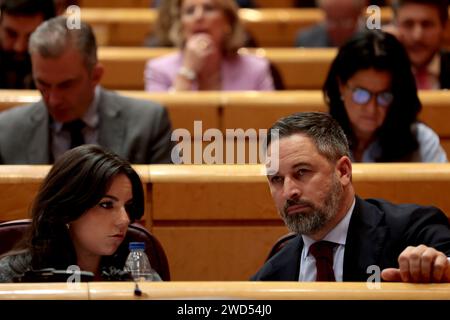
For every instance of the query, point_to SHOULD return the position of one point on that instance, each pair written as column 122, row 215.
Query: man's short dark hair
column 321, row 128
column 28, row 8
column 441, row 5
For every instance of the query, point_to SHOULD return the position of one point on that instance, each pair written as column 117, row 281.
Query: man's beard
column 314, row 218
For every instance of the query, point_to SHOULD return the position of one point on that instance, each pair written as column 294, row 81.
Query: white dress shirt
column 338, row 235
column 60, row 139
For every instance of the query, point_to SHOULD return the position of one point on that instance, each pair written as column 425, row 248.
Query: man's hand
column 419, row 264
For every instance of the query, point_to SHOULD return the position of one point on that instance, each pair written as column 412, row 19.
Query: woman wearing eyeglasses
column 371, row 92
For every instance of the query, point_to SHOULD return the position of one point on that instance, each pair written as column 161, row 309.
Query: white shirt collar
column 337, row 235
column 90, row 117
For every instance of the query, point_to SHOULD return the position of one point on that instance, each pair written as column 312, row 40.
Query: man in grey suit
column 75, row 110
column 343, row 18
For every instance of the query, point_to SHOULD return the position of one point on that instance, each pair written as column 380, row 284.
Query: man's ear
column 344, row 170
column 97, row 73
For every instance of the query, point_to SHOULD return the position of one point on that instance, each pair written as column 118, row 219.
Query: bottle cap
column 136, row 245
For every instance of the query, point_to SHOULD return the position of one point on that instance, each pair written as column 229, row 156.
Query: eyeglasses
column 363, row 96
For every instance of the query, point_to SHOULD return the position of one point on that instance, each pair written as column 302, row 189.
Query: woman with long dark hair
column 371, row 92
column 80, row 216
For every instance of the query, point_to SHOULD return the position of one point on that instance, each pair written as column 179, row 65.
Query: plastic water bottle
column 138, row 265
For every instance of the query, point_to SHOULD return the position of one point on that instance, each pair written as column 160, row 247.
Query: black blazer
column 378, row 232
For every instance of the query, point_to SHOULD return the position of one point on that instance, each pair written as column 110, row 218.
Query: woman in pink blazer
column 209, row 34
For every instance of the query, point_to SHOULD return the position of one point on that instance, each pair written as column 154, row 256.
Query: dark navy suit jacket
column 378, row 232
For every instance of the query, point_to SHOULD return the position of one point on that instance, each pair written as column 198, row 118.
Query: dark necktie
column 76, row 136
column 323, row 253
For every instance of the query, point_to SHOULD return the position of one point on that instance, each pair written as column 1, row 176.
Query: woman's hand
column 199, row 49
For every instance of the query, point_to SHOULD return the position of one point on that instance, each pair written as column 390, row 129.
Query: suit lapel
column 365, row 239
column 286, row 265
column 38, row 135
column 111, row 123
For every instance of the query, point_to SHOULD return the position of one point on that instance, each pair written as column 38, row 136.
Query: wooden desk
column 258, row 110
column 269, row 291
column 43, row 291
column 270, row 27
column 225, row 291
column 209, row 217
column 124, row 67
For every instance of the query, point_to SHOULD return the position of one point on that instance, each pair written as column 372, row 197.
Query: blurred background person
column 80, row 216
column 160, row 37
column 371, row 92
column 342, row 19
column 75, row 109
column 208, row 34
column 420, row 25
column 18, row 19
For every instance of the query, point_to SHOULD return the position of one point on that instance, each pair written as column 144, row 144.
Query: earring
column 67, row 226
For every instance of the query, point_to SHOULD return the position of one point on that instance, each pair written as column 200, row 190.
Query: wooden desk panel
column 217, row 252
column 258, row 110
column 236, row 290
column 186, row 108
column 300, row 68
column 201, row 201
column 269, row 27
column 131, row 26
column 221, row 213
column 215, row 185
column 183, row 109
column 269, row 291
column 43, row 291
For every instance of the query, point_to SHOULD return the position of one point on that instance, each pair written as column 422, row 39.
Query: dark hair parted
column 76, row 183
column 383, row 52
column 440, row 5
column 321, row 128
column 28, row 8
